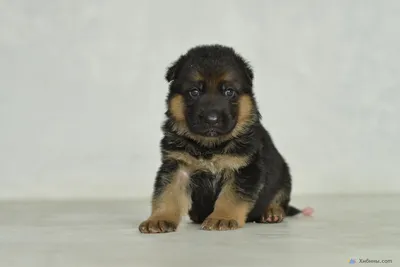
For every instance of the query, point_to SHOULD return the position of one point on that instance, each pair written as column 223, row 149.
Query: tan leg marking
column 230, row 212
column 168, row 209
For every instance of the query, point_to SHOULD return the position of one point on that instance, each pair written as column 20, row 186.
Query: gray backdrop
column 82, row 90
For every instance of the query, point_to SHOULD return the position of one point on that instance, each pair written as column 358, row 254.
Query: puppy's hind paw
column 273, row 214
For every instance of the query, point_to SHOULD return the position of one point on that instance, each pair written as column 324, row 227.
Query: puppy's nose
column 212, row 117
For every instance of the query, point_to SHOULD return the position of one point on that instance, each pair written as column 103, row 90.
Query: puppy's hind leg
column 276, row 210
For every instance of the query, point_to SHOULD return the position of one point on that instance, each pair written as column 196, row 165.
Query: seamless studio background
column 82, row 93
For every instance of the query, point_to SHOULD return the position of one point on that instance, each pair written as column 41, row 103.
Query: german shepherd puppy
column 219, row 164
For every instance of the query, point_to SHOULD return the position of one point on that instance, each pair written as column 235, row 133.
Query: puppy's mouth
column 209, row 131
column 216, row 132
column 212, row 133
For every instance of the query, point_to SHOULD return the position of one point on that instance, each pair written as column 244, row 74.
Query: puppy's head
column 210, row 94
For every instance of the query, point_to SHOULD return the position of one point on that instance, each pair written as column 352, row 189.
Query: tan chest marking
column 215, row 164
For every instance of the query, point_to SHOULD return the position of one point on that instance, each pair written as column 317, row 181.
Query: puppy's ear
column 249, row 72
column 246, row 69
column 174, row 69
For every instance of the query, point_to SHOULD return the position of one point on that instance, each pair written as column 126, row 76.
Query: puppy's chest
column 215, row 164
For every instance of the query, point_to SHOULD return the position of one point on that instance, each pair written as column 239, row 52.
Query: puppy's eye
column 194, row 93
column 229, row 92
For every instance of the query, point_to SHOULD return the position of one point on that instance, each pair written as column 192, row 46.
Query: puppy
column 219, row 164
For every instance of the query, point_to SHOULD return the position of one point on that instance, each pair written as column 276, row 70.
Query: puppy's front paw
column 153, row 226
column 214, row 224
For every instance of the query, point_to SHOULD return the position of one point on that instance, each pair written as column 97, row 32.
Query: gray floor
column 104, row 233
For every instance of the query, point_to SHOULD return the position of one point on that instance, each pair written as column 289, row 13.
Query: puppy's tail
column 293, row 211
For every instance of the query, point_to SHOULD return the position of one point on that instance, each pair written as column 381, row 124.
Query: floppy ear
column 174, row 69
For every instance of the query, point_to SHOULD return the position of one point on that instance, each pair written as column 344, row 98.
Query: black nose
column 212, row 117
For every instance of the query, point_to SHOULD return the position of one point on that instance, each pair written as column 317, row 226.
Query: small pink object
column 307, row 211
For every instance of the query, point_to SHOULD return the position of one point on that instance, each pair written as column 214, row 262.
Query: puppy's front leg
column 235, row 201
column 170, row 201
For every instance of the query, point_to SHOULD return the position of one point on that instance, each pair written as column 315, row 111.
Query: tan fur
column 273, row 214
column 213, row 79
column 196, row 76
column 177, row 108
column 227, row 76
column 218, row 79
column 280, row 196
column 215, row 164
column 245, row 115
column 175, row 201
column 230, row 207
column 275, row 210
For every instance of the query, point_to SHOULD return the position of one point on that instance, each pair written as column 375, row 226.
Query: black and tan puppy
column 219, row 164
